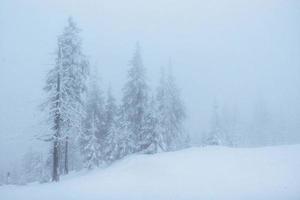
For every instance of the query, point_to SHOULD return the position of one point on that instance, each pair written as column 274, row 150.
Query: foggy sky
column 233, row 51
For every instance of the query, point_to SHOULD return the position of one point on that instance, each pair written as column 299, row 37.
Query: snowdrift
column 206, row 173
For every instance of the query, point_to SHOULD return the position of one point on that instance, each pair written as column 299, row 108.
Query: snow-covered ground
column 193, row 174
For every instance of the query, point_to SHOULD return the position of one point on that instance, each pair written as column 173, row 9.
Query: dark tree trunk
column 57, row 126
column 55, row 174
column 66, row 156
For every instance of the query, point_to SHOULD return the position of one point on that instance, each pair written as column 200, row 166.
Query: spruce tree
column 216, row 134
column 134, row 104
column 110, row 110
column 76, row 68
column 93, row 135
column 111, row 128
column 152, row 137
column 56, row 107
column 90, row 144
column 170, row 114
column 65, row 86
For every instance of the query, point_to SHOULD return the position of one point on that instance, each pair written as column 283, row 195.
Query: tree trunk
column 66, row 156
column 56, row 142
column 55, row 174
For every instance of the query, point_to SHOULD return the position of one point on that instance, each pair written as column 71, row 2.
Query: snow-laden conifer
column 93, row 135
column 65, row 86
column 170, row 114
column 134, row 104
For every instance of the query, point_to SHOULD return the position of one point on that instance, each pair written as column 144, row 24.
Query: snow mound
column 206, row 173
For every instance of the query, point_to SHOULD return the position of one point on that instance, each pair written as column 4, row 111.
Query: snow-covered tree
column 151, row 142
column 57, row 108
column 170, row 114
column 111, row 128
column 216, row 134
column 90, row 145
column 33, row 167
column 134, row 104
column 77, row 68
column 93, row 135
column 115, row 145
column 231, row 125
column 65, row 86
column 223, row 127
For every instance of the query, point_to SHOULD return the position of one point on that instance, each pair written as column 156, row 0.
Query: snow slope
column 207, row 173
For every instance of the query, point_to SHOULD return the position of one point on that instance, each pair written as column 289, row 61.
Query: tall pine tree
column 65, row 86
column 170, row 114
column 112, row 139
column 216, row 134
column 134, row 104
column 93, row 135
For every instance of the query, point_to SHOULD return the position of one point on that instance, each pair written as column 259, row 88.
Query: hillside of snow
column 206, row 173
